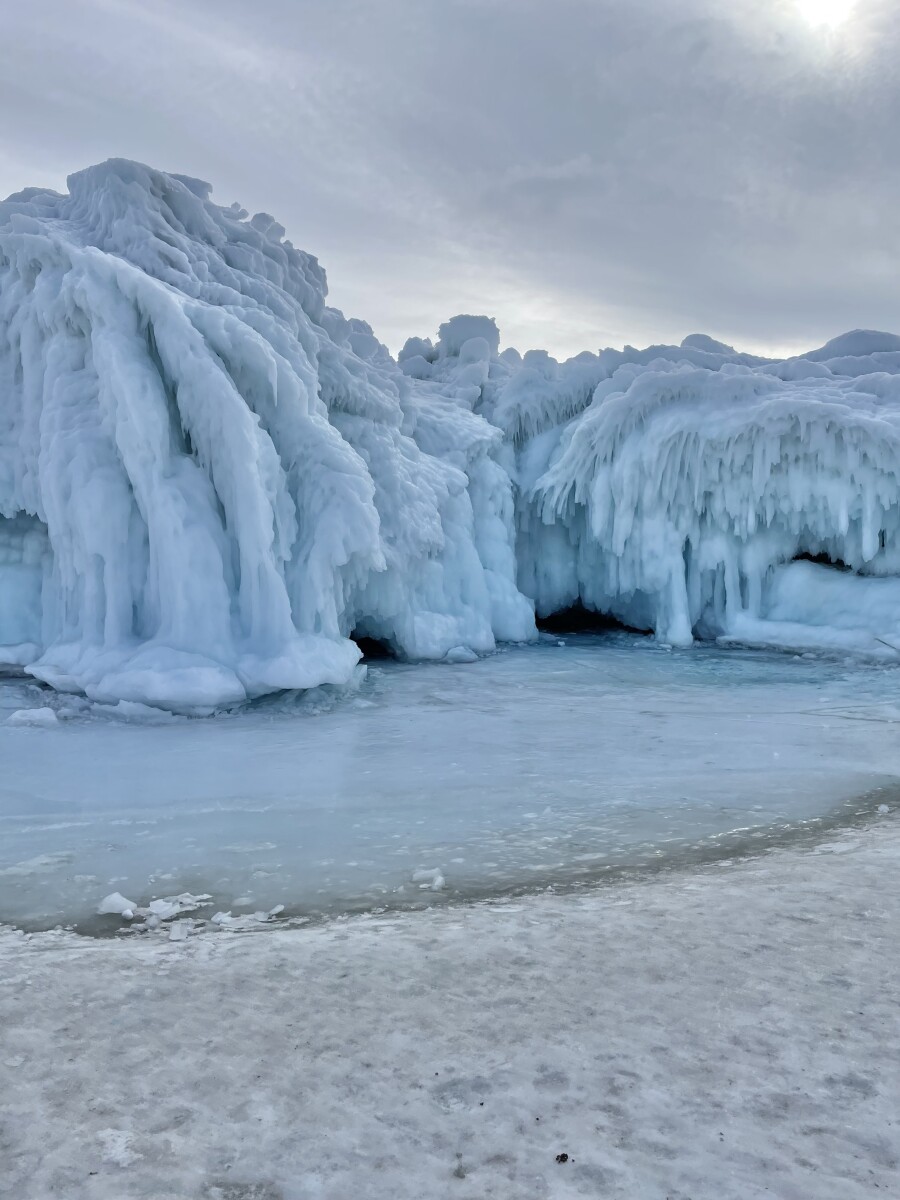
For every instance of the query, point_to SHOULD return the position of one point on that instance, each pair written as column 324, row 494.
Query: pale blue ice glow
column 542, row 764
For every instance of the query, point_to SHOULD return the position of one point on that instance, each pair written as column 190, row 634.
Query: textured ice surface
column 548, row 763
column 209, row 479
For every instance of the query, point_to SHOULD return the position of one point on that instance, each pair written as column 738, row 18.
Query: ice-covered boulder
column 208, row 478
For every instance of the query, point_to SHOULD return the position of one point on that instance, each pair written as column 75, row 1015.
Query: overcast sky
column 589, row 172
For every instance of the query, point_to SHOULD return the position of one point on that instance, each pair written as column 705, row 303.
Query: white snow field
column 209, row 479
column 551, row 764
column 727, row 1033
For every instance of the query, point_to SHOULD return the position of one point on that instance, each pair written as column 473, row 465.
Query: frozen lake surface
column 540, row 765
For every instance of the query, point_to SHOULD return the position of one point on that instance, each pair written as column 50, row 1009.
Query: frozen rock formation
column 210, row 480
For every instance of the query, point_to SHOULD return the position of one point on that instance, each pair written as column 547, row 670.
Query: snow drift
column 210, row 480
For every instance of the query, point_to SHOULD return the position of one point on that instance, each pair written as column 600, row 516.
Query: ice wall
column 673, row 488
column 226, row 477
column 209, row 479
column 678, row 498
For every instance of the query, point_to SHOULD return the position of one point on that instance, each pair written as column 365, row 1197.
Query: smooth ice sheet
column 543, row 764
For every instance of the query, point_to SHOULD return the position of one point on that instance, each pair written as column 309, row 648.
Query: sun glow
column 826, row 14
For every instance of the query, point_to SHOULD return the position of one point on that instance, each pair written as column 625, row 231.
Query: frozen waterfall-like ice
column 680, row 498
column 684, row 490
column 210, row 480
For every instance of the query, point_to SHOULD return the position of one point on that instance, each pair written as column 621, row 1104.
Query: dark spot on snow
column 852, row 1083
column 562, row 1158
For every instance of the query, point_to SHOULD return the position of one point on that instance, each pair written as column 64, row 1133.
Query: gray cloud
column 587, row 171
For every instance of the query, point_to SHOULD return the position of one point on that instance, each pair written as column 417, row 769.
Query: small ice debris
column 115, row 904
column 883, row 808
column 134, row 711
column 561, row 644
column 179, row 930
column 41, row 718
column 163, row 909
column 431, row 878
column 170, row 906
column 227, row 920
column 460, row 654
column 267, row 916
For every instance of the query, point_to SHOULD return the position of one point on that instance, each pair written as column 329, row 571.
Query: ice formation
column 681, row 497
column 210, row 480
column 698, row 492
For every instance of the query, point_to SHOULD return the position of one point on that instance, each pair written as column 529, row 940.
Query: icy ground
column 551, row 763
column 728, row 1032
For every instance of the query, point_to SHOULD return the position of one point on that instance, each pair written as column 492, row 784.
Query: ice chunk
column 431, row 878
column 115, row 904
column 460, row 654
column 43, row 717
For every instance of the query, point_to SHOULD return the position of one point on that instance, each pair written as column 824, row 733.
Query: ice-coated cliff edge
column 209, row 479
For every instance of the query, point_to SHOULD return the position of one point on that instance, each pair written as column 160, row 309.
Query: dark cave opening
column 578, row 619
column 823, row 561
column 373, row 649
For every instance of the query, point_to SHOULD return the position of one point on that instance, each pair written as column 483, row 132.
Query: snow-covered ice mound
column 676, row 488
column 680, row 497
column 210, row 480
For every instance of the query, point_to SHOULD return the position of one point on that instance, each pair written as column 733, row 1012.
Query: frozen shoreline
column 543, row 764
column 725, row 1032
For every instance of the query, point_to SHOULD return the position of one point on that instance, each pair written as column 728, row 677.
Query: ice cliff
column 210, row 480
